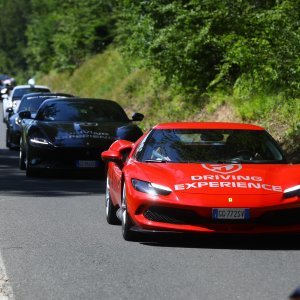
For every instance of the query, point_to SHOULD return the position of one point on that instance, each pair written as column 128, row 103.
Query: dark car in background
column 29, row 102
column 71, row 133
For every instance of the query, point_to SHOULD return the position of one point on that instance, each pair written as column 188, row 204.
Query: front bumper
column 155, row 215
column 66, row 158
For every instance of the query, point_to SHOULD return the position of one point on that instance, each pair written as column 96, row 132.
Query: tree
column 14, row 17
column 62, row 34
column 200, row 45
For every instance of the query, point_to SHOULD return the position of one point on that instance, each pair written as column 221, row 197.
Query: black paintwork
column 70, row 141
column 29, row 102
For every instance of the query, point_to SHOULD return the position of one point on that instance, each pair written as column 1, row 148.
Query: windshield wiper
column 230, row 161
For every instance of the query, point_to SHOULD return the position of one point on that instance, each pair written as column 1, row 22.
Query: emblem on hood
column 222, row 169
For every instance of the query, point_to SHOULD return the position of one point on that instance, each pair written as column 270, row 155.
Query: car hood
column 80, row 133
column 218, row 179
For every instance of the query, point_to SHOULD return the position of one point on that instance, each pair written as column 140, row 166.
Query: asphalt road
column 56, row 244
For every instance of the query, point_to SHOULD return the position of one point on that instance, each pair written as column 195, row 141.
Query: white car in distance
column 14, row 99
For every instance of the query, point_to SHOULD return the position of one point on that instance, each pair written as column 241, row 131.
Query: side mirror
column 116, row 150
column 137, row 117
column 10, row 110
column 25, row 115
column 110, row 155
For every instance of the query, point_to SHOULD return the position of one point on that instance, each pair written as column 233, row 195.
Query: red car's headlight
column 150, row 188
column 292, row 191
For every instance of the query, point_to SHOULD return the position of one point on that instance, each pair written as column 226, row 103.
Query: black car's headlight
column 150, row 188
column 18, row 121
column 39, row 142
column 292, row 192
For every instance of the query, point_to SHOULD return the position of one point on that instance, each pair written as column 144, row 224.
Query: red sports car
column 202, row 177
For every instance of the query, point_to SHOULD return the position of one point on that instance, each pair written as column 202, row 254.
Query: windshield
column 32, row 103
column 18, row 93
column 210, row 145
column 82, row 111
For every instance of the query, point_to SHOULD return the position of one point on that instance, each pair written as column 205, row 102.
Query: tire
column 110, row 209
column 30, row 172
column 127, row 234
column 8, row 144
column 22, row 164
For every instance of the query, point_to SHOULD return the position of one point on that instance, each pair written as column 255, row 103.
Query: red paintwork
column 260, row 188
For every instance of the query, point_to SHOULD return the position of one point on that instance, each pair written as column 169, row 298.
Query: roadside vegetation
column 171, row 60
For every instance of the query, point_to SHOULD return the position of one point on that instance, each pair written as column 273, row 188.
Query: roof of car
column 207, row 125
column 78, row 99
column 30, row 86
column 45, row 95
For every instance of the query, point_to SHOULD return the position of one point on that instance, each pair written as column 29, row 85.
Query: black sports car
column 29, row 102
column 71, row 133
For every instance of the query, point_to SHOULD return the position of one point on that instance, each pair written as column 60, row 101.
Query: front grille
column 78, row 153
column 189, row 217
column 172, row 215
column 69, row 153
column 65, row 158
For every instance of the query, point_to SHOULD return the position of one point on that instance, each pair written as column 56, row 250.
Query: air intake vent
column 172, row 215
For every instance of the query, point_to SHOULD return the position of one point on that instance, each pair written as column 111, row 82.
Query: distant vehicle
column 29, row 102
column 70, row 134
column 7, row 83
column 203, row 178
column 4, row 77
column 16, row 94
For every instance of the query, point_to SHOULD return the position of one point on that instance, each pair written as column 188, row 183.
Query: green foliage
column 61, row 34
column 251, row 46
column 109, row 75
column 197, row 46
column 270, row 109
column 13, row 20
column 182, row 55
column 96, row 78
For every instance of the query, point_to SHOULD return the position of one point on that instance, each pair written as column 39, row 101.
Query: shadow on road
column 237, row 242
column 14, row 181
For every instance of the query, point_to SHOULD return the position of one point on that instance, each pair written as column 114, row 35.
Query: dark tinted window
column 82, row 111
column 18, row 93
column 210, row 146
column 32, row 103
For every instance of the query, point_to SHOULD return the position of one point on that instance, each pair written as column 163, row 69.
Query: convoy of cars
column 177, row 177
column 57, row 131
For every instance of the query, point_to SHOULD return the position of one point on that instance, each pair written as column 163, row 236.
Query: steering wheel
column 244, row 154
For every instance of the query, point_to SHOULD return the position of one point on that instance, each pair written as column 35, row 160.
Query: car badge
column 222, row 169
column 230, row 199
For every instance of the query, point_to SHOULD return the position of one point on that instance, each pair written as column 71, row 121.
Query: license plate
column 86, row 164
column 231, row 213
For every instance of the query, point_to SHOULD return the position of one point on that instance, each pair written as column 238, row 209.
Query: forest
column 247, row 49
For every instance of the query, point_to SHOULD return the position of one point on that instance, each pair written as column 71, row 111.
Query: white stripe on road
column 6, row 292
